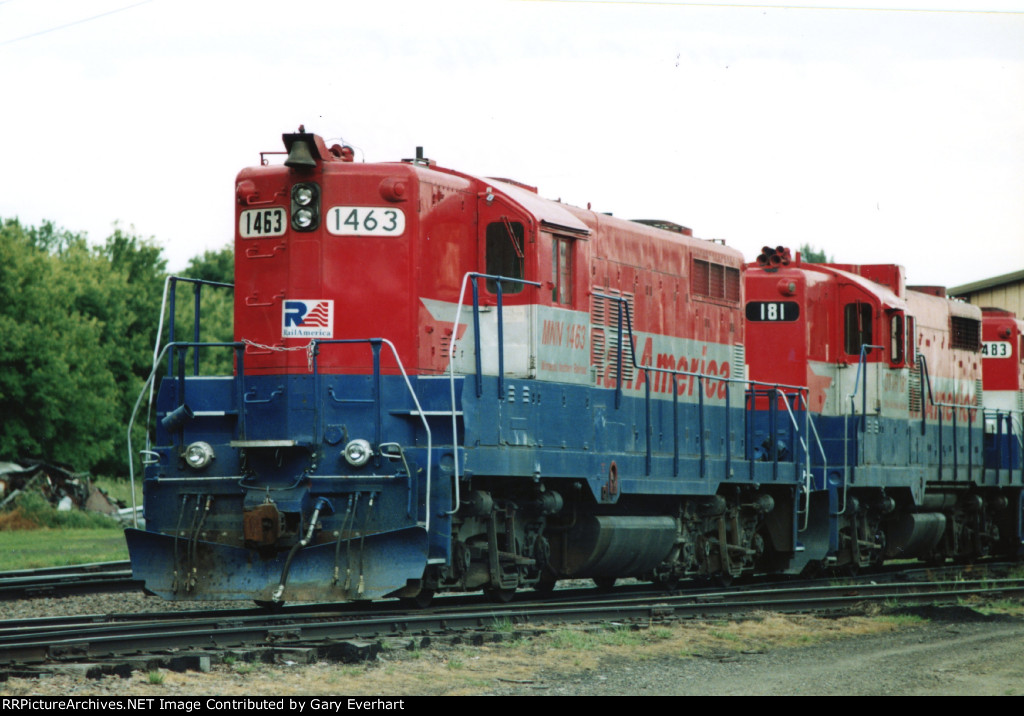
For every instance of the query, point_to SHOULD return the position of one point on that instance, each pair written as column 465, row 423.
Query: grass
column 617, row 636
column 503, row 626
column 33, row 534
column 32, row 549
column 725, row 635
column 901, row 620
column 1009, row 607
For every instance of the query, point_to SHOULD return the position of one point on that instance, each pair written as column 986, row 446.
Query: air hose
column 321, row 503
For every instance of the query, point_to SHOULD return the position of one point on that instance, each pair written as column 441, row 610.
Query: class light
column 303, row 218
column 303, row 195
column 198, row 455
column 358, row 452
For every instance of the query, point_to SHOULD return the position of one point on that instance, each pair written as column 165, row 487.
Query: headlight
column 198, row 455
column 358, row 452
column 303, row 195
column 305, row 206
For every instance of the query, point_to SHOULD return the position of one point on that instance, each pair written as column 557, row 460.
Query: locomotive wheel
column 849, row 570
column 501, row 596
column 422, row 599
column 546, row 584
column 670, row 582
column 722, row 579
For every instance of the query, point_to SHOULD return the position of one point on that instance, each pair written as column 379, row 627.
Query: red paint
column 379, row 283
column 843, row 306
column 1003, row 372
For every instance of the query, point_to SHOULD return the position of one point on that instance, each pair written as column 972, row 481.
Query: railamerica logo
column 307, row 319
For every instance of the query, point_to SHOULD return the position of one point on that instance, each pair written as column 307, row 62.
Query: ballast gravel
column 951, row 651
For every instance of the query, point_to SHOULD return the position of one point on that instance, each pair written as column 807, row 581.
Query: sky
column 879, row 133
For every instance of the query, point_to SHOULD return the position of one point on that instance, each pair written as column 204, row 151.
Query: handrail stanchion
column 728, row 433
column 195, row 327
column 647, row 414
column 750, row 407
column 700, row 425
column 476, row 339
column 501, row 343
column 378, row 428
column 618, row 361
column 773, row 431
column 675, row 425
column 171, row 302
column 240, row 388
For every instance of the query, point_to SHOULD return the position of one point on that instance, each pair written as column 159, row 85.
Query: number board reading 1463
column 262, row 222
column 773, row 311
column 365, row 221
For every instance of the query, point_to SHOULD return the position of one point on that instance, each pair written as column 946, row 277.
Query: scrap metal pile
column 59, row 484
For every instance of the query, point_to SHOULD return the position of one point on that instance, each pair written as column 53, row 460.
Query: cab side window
column 911, row 341
column 857, row 327
column 504, row 246
column 561, row 270
column 896, row 339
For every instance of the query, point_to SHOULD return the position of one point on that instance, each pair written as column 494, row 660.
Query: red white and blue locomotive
column 895, row 384
column 444, row 382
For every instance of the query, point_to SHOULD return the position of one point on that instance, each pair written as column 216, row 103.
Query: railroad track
column 346, row 633
column 76, row 579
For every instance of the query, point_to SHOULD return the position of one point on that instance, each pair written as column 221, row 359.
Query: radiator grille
column 604, row 332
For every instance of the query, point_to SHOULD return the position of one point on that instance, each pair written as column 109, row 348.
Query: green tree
column 813, row 256
column 213, row 266
column 78, row 325
column 134, row 278
column 58, row 397
column 216, row 308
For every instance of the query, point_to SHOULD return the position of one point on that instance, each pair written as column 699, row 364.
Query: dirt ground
column 943, row 657
column 954, row 651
